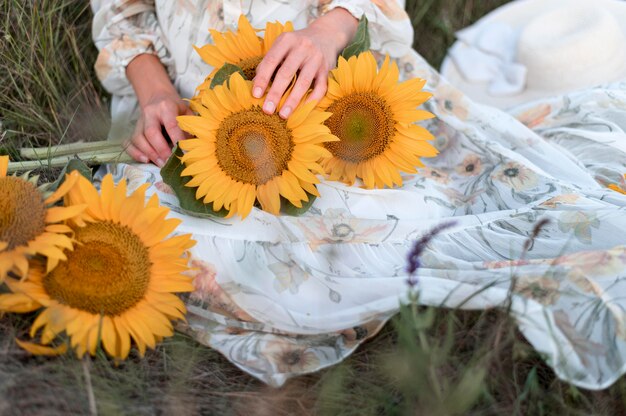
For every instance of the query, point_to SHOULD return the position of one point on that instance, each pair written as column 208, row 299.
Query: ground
column 426, row 361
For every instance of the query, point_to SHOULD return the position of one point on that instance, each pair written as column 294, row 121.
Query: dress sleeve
column 122, row 30
column 390, row 28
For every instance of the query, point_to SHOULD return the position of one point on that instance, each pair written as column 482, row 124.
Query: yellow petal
column 57, row 214
column 155, row 321
column 290, row 188
column 301, row 115
column 274, row 196
column 412, row 116
column 198, row 126
column 168, row 304
column 109, row 337
column 161, row 231
column 119, row 196
column 343, row 75
column 365, row 72
column 92, row 340
column 224, row 47
column 245, row 199
column 272, row 31
column 37, row 349
column 68, row 183
column 58, row 228
column 53, row 329
column 309, row 187
column 301, row 171
column 137, row 333
column 123, row 341
column 4, row 166
column 18, row 303
column 211, row 55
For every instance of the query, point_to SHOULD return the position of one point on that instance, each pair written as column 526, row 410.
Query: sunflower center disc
column 248, row 66
column 22, row 212
column 107, row 273
column 253, row 147
column 364, row 123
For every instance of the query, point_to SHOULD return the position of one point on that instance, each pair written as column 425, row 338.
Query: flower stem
column 90, row 158
column 68, row 149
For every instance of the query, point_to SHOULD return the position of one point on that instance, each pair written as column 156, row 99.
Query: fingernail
column 269, row 107
column 160, row 163
column 285, row 111
column 143, row 159
column 257, row 92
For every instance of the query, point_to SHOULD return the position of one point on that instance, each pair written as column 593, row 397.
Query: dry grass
column 478, row 359
column 426, row 361
column 48, row 92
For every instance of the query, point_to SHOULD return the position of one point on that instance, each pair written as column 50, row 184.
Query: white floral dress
column 281, row 296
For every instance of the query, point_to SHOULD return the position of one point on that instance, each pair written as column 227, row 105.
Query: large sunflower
column 117, row 284
column 373, row 115
column 240, row 154
column 243, row 48
column 30, row 224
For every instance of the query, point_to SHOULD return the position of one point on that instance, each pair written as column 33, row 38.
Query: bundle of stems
column 91, row 153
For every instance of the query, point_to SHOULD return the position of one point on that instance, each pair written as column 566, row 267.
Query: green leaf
column 72, row 165
column 224, row 73
column 288, row 208
column 361, row 41
column 186, row 196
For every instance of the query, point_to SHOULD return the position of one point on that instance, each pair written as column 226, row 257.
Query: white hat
column 531, row 49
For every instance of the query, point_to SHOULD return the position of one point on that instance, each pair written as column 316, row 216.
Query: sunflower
column 373, row 115
column 117, row 284
column 240, row 154
column 30, row 224
column 242, row 48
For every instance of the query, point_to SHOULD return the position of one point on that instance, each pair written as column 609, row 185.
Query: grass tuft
column 48, row 90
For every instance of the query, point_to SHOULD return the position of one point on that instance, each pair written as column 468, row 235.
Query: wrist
column 149, row 78
column 339, row 25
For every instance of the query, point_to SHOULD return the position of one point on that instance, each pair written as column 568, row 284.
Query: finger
column 155, row 139
column 270, row 62
column 141, row 143
column 133, row 150
column 303, row 83
column 172, row 129
column 320, row 87
column 283, row 78
column 135, row 153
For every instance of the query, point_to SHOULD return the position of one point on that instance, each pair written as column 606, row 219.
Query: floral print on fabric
column 282, row 296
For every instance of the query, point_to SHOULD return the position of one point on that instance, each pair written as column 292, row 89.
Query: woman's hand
column 160, row 105
column 158, row 113
column 310, row 53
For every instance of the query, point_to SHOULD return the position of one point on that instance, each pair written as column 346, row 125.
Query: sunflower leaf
column 186, row 196
column 361, row 41
column 72, row 165
column 288, row 208
column 224, row 73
